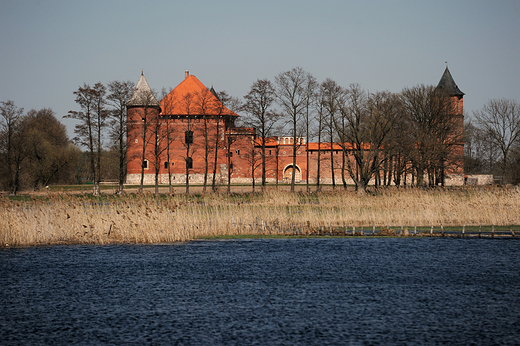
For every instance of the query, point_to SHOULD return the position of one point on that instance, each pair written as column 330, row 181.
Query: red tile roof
column 188, row 97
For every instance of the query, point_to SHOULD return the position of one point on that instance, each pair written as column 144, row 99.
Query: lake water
column 264, row 292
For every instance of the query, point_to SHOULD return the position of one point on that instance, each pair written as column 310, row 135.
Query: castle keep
column 191, row 134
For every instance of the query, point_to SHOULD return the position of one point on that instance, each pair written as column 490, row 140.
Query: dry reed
column 64, row 219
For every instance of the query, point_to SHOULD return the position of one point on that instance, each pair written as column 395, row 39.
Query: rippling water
column 264, row 292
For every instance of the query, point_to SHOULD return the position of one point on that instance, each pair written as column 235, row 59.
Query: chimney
column 186, row 74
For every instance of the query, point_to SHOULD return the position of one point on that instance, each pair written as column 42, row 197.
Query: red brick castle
column 191, row 134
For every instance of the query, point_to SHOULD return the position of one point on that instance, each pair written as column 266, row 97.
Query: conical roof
column 447, row 83
column 143, row 95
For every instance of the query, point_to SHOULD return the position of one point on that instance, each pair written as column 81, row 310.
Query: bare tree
column 321, row 112
column 223, row 142
column 168, row 104
column 204, row 104
column 261, row 116
column 477, row 159
column 369, row 120
column 254, row 158
column 399, row 149
column 332, row 98
column 11, row 140
column 310, row 89
column 500, row 120
column 230, row 140
column 100, row 122
column 120, row 93
column 85, row 131
column 188, row 104
column 292, row 97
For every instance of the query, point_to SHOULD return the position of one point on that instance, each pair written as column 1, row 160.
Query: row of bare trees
column 101, row 108
column 492, row 140
column 406, row 138
column 383, row 136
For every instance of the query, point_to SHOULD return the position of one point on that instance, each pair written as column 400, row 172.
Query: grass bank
column 133, row 218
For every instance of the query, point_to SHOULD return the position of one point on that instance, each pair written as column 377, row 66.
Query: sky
column 50, row 48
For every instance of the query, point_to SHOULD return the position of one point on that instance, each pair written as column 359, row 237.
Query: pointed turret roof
column 143, row 95
column 177, row 101
column 447, row 83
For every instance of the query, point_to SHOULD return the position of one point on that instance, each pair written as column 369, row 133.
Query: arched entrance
column 287, row 174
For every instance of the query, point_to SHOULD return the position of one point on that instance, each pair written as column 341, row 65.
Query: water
column 264, row 292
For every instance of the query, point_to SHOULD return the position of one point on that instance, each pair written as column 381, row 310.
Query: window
column 238, row 151
column 189, row 163
column 188, row 137
column 230, row 154
column 145, row 164
column 166, row 165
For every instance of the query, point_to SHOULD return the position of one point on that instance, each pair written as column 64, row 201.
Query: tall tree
column 500, row 121
column 11, row 143
column 120, row 93
column 188, row 103
column 222, row 141
column 290, row 92
column 310, row 90
column 101, row 117
column 321, row 112
column 258, row 106
column 85, row 131
column 332, row 96
column 168, row 107
column 204, row 105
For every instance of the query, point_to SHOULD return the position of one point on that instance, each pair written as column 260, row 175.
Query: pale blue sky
column 49, row 48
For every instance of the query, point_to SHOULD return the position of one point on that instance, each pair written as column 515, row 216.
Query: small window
column 230, row 154
column 189, row 163
column 165, row 165
column 145, row 164
column 238, row 151
column 188, row 137
column 269, row 152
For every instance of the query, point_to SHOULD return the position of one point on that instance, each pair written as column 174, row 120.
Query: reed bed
column 68, row 219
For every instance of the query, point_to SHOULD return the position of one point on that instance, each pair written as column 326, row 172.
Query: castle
column 191, row 131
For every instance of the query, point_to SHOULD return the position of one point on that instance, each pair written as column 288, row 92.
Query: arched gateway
column 287, row 174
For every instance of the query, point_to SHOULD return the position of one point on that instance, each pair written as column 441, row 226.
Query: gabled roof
column 189, row 97
column 447, row 83
column 143, row 95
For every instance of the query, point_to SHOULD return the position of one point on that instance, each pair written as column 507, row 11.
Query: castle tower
column 447, row 83
column 143, row 109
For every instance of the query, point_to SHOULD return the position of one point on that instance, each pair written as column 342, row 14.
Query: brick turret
column 447, row 84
